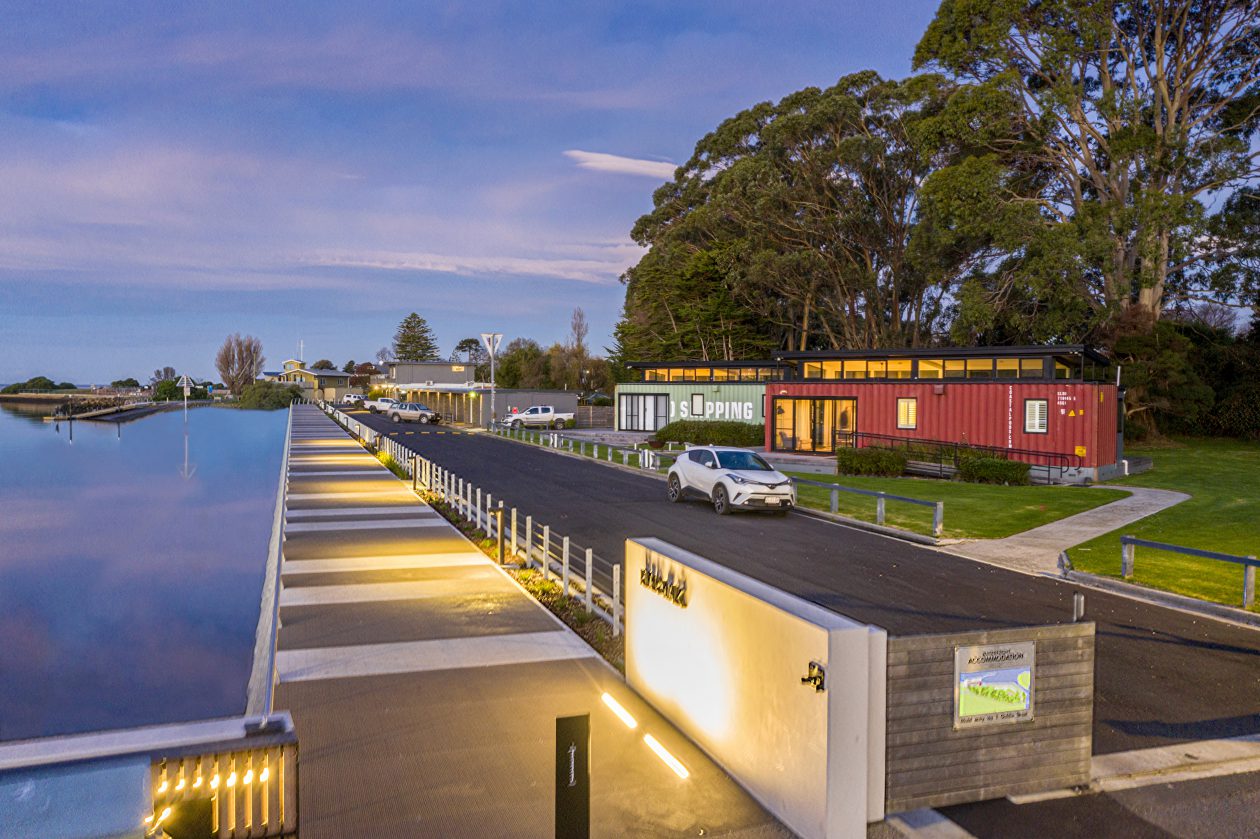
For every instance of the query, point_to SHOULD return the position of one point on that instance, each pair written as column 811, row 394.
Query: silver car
column 732, row 479
column 413, row 412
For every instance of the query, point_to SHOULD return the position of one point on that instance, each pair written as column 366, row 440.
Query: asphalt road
column 1162, row 676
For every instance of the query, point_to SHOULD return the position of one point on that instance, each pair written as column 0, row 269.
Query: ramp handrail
column 1128, row 552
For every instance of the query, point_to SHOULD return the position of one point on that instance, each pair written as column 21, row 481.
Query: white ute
column 732, row 479
column 542, row 416
column 380, row 406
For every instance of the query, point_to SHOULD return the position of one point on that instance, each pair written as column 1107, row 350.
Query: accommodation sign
column 993, row 683
column 673, row 590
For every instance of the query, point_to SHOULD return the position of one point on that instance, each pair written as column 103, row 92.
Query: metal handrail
column 1059, row 459
column 1128, row 544
column 260, row 696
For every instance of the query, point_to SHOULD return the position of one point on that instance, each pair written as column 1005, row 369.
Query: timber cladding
column 932, row 764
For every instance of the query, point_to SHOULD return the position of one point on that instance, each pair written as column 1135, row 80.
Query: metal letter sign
column 573, row 777
column 994, row 683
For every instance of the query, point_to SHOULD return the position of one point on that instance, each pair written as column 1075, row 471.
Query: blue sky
column 172, row 173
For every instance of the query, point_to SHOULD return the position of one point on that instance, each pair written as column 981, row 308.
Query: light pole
column 491, row 340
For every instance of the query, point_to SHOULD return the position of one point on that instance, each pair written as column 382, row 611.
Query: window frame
column 913, row 401
column 1046, row 404
column 694, row 412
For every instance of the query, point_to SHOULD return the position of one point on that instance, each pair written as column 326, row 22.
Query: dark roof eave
column 951, row 352
column 758, row 362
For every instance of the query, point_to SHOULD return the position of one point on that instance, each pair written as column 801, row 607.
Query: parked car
column 379, row 406
column 732, row 479
column 538, row 416
column 413, row 412
column 352, row 399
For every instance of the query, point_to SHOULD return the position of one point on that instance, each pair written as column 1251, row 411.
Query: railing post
column 835, row 501
column 498, row 526
column 590, row 579
column 616, row 600
column 1127, row 551
column 514, row 554
column 546, row 548
column 415, row 473
column 1249, row 584
column 938, row 519
column 564, row 567
column 529, row 541
column 477, row 517
column 487, row 511
column 879, row 508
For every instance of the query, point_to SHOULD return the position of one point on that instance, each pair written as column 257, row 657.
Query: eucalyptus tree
column 801, row 220
column 1123, row 124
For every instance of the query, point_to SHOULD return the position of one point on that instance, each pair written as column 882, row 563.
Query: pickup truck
column 544, row 416
column 379, row 406
column 413, row 412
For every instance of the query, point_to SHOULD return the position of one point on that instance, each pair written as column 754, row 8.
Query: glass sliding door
column 813, row 425
column 643, row 411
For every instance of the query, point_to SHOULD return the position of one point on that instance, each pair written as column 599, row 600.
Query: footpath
column 425, row 684
column 1037, row 551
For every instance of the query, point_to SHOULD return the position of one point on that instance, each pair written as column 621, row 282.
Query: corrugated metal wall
column 737, row 402
column 1082, row 417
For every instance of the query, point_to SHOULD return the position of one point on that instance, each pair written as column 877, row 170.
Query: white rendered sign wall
column 787, row 696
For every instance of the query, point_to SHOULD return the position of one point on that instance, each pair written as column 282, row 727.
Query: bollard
column 546, row 548
column 514, row 554
column 616, row 600
column 1078, row 607
column 610, row 453
column 938, row 519
column 1249, row 584
column 879, row 508
column 595, row 451
column 498, row 527
column 1126, row 561
column 564, row 567
column 835, row 501
column 586, row 595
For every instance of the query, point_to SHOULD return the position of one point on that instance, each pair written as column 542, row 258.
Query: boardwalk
column 425, row 685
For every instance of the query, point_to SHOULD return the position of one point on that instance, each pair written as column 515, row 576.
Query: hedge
column 993, row 470
column 872, row 460
column 712, row 433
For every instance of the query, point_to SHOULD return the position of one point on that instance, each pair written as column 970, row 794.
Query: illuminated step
column 375, row 524
column 382, row 563
column 419, row 656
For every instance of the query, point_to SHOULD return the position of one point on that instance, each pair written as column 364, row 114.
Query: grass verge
column 972, row 511
column 1223, row 514
column 569, row 609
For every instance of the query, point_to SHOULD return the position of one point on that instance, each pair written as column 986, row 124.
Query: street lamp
column 491, row 340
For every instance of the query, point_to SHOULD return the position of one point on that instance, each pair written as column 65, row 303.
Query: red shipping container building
column 1056, row 407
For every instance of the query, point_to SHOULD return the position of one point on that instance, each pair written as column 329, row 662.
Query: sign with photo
column 993, row 683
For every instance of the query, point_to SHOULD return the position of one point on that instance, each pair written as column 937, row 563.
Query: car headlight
column 738, row 479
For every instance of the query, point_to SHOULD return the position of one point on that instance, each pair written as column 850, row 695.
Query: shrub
column 712, row 433
column 268, row 395
column 993, row 470
column 872, row 460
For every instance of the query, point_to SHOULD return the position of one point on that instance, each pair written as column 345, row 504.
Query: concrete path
column 1037, row 551
column 425, row 684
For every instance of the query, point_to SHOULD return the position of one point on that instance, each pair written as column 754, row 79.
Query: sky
column 174, row 173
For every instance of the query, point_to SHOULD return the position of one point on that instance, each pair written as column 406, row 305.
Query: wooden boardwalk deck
column 425, row 684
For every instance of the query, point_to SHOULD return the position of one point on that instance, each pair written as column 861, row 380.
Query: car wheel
column 675, row 489
column 424, row 419
column 395, row 418
column 721, row 502
column 558, row 424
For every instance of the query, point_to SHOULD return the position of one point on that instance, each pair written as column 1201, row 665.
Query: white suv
column 732, row 479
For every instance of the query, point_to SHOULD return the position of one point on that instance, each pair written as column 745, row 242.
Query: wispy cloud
column 615, row 163
column 600, row 271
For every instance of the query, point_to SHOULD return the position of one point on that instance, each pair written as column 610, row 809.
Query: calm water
column 131, row 565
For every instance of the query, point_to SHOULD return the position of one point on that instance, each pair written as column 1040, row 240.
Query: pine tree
column 414, row 340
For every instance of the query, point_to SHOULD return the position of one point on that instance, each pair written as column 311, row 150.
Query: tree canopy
column 414, row 341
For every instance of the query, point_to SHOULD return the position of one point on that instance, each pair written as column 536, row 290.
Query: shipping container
column 646, row 406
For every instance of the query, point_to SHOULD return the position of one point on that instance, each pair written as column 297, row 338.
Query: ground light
column 622, row 713
column 663, row 753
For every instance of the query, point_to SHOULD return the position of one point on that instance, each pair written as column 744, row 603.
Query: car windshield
column 744, row 461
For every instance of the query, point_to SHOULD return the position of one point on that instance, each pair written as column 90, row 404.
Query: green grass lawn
column 1223, row 514
column 972, row 511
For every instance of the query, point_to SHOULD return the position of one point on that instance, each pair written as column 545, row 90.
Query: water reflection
column 131, row 566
